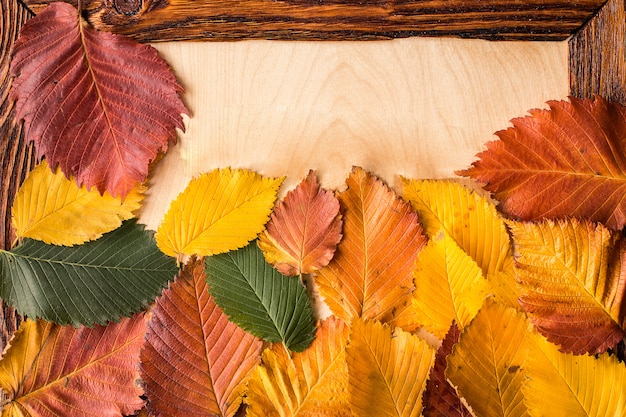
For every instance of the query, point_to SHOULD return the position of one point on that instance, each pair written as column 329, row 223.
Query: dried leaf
column 440, row 398
column 219, row 211
column 387, row 370
column 564, row 385
column 303, row 232
column 194, row 361
column 53, row 209
column 370, row 274
column 470, row 219
column 310, row 383
column 97, row 104
column 488, row 364
column 449, row 286
column 50, row 370
column 566, row 161
column 572, row 282
column 103, row 280
column 259, row 299
column 503, row 286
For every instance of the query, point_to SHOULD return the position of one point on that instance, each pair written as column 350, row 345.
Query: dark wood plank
column 16, row 158
column 598, row 56
column 158, row 20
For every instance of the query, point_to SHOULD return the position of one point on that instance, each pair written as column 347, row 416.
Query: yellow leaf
column 488, row 364
column 219, row 211
column 53, row 209
column 387, row 370
column 449, row 286
column 564, row 385
column 503, row 286
column 468, row 218
column 572, row 283
column 310, row 383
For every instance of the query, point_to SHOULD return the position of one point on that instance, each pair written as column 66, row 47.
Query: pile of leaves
column 442, row 302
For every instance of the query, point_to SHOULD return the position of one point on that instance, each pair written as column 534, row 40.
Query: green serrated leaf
column 260, row 299
column 103, row 280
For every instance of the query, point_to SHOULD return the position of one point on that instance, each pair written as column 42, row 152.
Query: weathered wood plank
column 598, row 57
column 159, row 20
column 16, row 158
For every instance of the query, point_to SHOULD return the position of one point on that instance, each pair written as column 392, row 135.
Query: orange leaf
column 566, row 161
column 52, row 370
column 195, row 362
column 302, row 235
column 370, row 275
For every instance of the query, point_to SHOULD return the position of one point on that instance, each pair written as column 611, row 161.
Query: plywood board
column 417, row 107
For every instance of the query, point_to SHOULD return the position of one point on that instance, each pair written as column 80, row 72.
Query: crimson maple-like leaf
column 566, row 161
column 440, row 398
column 99, row 105
column 302, row 235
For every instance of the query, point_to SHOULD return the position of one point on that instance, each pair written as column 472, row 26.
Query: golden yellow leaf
column 564, row 385
column 503, row 287
column 470, row 219
column 55, row 210
column 219, row 211
column 309, row 383
column 387, row 370
column 488, row 364
column 449, row 286
column 572, row 282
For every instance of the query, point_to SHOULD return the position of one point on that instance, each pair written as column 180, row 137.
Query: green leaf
column 260, row 299
column 100, row 281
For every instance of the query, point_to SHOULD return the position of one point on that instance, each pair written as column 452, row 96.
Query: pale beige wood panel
column 418, row 107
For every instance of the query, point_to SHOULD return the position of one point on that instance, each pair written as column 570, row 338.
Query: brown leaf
column 97, row 104
column 566, row 161
column 370, row 275
column 440, row 398
column 195, row 362
column 302, row 235
column 52, row 370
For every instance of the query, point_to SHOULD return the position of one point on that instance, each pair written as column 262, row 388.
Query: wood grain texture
column 598, row 55
column 16, row 158
column 418, row 107
column 158, row 20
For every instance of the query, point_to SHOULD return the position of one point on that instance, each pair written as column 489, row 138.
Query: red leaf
column 195, row 362
column 302, row 235
column 99, row 105
column 440, row 398
column 566, row 161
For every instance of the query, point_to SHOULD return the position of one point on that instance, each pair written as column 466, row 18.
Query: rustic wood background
column 596, row 47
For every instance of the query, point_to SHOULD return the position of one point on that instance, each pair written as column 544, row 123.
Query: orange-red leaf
column 568, row 160
column 97, row 104
column 302, row 235
column 52, row 370
column 195, row 362
column 370, row 275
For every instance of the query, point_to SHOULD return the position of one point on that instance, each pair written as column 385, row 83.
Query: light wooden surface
column 418, row 107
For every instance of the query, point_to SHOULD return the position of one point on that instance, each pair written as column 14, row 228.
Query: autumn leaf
column 51, row 370
column 219, row 211
column 449, row 286
column 572, row 282
column 387, row 370
column 102, row 280
column 303, row 232
column 259, row 299
column 488, row 364
column 194, row 361
column 564, row 385
column 53, row 209
column 370, row 275
column 503, row 286
column 309, row 383
column 97, row 104
column 440, row 398
column 470, row 219
column 566, row 161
